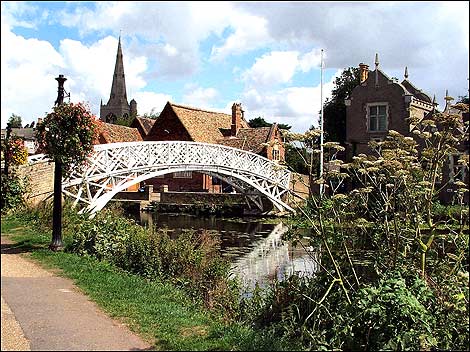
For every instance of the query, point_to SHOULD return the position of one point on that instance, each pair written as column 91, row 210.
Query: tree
column 15, row 121
column 66, row 136
column 125, row 120
column 152, row 114
column 334, row 110
column 12, row 189
column 261, row 122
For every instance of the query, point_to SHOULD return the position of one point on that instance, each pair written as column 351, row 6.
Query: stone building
column 379, row 104
column 118, row 106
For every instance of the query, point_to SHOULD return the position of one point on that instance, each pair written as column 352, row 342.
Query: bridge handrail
column 100, row 147
column 267, row 167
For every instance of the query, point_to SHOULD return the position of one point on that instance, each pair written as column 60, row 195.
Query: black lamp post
column 57, row 243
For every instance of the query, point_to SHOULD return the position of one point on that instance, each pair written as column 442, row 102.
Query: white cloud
column 249, row 32
column 168, row 32
column 295, row 106
column 175, row 28
column 12, row 10
column 198, row 96
column 273, row 68
column 28, row 87
column 279, row 67
column 148, row 101
column 310, row 60
column 431, row 38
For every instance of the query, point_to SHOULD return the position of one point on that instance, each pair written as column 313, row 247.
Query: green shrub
column 395, row 313
column 191, row 261
column 12, row 191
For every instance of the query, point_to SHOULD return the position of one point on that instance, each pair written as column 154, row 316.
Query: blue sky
column 265, row 55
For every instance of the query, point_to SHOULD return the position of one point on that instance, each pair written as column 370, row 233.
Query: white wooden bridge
column 114, row 167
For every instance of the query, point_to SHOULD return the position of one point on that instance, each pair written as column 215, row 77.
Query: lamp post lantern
column 60, row 90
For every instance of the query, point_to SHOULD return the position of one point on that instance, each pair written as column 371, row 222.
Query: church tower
column 117, row 105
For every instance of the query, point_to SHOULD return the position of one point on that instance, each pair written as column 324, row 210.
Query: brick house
column 27, row 134
column 184, row 123
column 379, row 104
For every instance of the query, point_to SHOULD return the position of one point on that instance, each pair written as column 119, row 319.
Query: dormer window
column 377, row 117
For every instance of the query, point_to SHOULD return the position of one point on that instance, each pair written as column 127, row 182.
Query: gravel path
column 43, row 312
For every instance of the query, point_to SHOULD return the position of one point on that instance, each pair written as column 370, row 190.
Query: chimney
column 364, row 72
column 237, row 113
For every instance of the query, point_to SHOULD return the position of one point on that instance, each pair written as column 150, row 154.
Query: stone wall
column 40, row 181
column 208, row 198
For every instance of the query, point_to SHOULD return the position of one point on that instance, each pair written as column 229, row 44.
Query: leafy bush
column 394, row 264
column 395, row 313
column 191, row 261
column 12, row 191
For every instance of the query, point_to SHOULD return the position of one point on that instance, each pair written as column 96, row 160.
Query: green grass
column 161, row 313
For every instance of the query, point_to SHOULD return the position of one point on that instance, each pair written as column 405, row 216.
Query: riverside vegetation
column 394, row 262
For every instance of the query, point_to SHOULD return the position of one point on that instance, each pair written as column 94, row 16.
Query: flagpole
column 321, row 122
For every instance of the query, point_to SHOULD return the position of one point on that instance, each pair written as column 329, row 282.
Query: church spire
column 118, row 88
column 117, row 105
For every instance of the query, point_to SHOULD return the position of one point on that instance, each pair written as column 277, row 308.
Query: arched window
column 110, row 118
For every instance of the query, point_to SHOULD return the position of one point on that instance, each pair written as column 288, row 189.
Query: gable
column 168, row 127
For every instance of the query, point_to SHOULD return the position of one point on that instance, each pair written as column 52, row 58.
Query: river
column 254, row 246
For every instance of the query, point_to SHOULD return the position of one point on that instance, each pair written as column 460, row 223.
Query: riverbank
column 154, row 310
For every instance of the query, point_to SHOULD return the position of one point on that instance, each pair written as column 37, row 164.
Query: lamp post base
column 56, row 247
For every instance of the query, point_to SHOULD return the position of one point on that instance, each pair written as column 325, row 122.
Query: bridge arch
column 116, row 166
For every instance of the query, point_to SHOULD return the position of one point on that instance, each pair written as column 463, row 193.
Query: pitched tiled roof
column 25, row 133
column 250, row 139
column 111, row 133
column 418, row 93
column 202, row 125
column 145, row 123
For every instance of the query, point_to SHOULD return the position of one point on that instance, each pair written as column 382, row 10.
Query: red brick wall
column 269, row 149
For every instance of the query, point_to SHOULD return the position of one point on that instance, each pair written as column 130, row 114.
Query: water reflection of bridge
column 255, row 249
column 273, row 258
